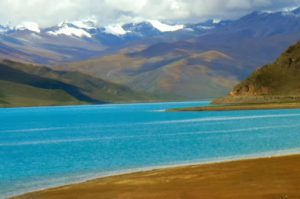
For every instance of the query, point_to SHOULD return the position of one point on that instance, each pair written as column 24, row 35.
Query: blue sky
column 50, row 12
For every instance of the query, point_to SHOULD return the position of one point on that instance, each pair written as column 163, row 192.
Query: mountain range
column 169, row 61
column 203, row 66
column 80, row 40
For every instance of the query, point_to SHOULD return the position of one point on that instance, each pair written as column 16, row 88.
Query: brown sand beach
column 265, row 178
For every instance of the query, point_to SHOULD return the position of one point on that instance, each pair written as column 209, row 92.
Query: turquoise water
column 44, row 147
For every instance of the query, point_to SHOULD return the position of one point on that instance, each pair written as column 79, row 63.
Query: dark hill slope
column 69, row 87
column 14, row 95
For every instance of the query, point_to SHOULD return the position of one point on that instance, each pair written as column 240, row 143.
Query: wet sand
column 265, row 178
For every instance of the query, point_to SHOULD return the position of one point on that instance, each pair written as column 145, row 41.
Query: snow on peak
column 115, row 29
column 31, row 26
column 65, row 29
column 289, row 11
column 216, row 21
column 165, row 27
column 4, row 29
column 85, row 24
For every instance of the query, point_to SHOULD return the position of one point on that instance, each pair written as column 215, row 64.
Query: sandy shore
column 265, row 178
column 241, row 107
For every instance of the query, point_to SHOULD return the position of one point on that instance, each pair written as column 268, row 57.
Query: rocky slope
column 277, row 82
column 280, row 78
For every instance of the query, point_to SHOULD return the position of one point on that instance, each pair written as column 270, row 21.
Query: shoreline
column 105, row 104
column 171, row 166
column 239, row 107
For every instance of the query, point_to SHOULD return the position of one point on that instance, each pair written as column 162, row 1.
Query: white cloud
column 50, row 12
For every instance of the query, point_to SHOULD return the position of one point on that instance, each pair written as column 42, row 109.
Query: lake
column 51, row 146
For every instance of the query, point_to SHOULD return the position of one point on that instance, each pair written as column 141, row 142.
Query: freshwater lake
column 52, row 146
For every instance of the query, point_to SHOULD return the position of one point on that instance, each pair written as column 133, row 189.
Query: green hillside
column 31, row 85
column 14, row 94
column 277, row 82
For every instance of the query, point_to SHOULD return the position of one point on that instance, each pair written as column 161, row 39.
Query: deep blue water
column 42, row 147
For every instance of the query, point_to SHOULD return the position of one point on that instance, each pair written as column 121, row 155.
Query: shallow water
column 43, row 147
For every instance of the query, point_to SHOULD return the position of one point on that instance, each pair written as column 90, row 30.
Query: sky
column 52, row 12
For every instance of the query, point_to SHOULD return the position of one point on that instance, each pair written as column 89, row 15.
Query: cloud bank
column 50, row 12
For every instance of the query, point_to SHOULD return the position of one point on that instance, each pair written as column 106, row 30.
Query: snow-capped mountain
column 77, row 40
column 150, row 28
column 296, row 11
column 142, row 28
column 4, row 29
column 116, row 29
column 76, row 28
column 87, row 28
column 90, row 29
column 30, row 26
column 83, row 39
column 69, row 30
column 208, row 25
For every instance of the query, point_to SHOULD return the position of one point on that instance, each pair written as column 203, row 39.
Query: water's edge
column 271, row 154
